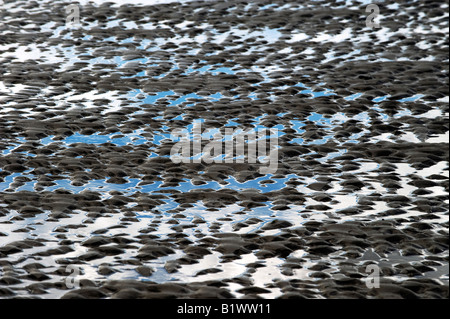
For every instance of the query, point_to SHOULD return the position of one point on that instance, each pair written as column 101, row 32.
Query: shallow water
column 86, row 116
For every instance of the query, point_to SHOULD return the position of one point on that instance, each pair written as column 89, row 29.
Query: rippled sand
column 86, row 180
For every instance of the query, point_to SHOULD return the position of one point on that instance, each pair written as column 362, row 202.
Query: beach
column 93, row 205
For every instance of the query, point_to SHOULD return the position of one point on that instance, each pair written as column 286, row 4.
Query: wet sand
column 86, row 181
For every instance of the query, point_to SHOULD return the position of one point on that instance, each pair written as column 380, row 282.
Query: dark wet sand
column 375, row 192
